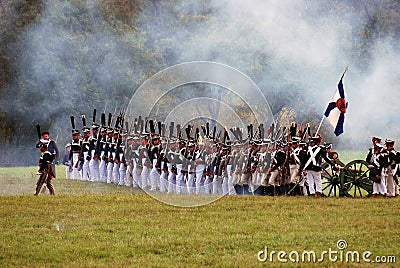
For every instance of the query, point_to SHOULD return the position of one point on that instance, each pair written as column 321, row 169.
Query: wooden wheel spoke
column 356, row 175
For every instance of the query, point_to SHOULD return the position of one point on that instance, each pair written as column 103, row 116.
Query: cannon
column 350, row 180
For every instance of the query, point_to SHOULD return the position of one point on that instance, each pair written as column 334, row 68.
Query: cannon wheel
column 331, row 182
column 355, row 180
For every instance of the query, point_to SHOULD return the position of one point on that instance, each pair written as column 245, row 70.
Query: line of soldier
column 383, row 162
column 201, row 163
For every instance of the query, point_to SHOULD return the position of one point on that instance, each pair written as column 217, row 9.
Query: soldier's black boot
column 258, row 190
column 287, row 189
column 238, row 189
column 276, row 190
column 292, row 190
column 37, row 191
column 51, row 188
column 268, row 191
column 282, row 190
column 246, row 189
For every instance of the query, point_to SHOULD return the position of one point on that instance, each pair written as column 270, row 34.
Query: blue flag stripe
column 339, row 126
column 331, row 106
column 340, row 88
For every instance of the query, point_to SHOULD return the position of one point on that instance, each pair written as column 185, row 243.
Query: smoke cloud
column 296, row 49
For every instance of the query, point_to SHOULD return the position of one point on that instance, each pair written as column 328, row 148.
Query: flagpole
column 320, row 123
column 323, row 116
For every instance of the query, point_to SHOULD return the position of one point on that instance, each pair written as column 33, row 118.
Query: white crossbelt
column 313, row 154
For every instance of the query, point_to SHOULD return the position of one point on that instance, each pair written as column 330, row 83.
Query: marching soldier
column 115, row 155
column 122, row 159
column 46, row 173
column 171, row 155
column 254, row 158
column 375, row 159
column 236, row 173
column 245, row 170
column 199, row 162
column 144, row 160
column 391, row 158
column 129, row 161
column 312, row 164
column 74, row 157
column 278, row 158
column 217, row 171
column 102, row 149
column 295, row 154
column 85, row 154
column 66, row 162
column 303, row 183
column 207, row 171
column 190, row 168
column 180, row 172
column 136, row 182
column 51, row 147
column 109, row 154
column 226, row 167
column 162, row 163
column 154, row 155
column 93, row 151
column 264, row 159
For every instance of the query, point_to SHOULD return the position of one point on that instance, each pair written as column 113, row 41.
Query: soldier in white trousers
column 76, row 144
column 94, row 156
column 85, row 156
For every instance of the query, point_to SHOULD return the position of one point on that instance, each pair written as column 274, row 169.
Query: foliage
column 61, row 58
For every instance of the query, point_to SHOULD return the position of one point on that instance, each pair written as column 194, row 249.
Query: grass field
column 97, row 225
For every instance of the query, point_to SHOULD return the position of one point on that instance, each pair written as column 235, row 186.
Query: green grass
column 347, row 156
column 97, row 225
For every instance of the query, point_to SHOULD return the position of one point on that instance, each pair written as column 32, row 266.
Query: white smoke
column 301, row 43
column 281, row 45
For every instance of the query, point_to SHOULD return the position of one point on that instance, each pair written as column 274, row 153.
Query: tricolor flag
column 337, row 108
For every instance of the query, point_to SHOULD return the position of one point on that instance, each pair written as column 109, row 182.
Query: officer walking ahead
column 46, row 172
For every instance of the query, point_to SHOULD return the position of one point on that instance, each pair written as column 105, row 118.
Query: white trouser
column 163, row 179
column 231, row 190
column 225, row 187
column 273, row 180
column 154, row 176
column 145, row 174
column 207, row 185
column 179, row 178
column 303, row 183
column 314, row 181
column 199, row 177
column 190, row 182
column 94, row 169
column 128, row 174
column 294, row 170
column 171, row 179
column 110, row 166
column 390, row 183
column 68, row 175
column 135, row 175
column 76, row 174
column 103, row 169
column 217, row 185
column 380, row 188
column 122, row 174
column 85, row 167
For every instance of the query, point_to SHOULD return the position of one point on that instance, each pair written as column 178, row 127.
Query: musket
column 94, row 116
column 99, row 137
column 272, row 132
column 38, row 131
